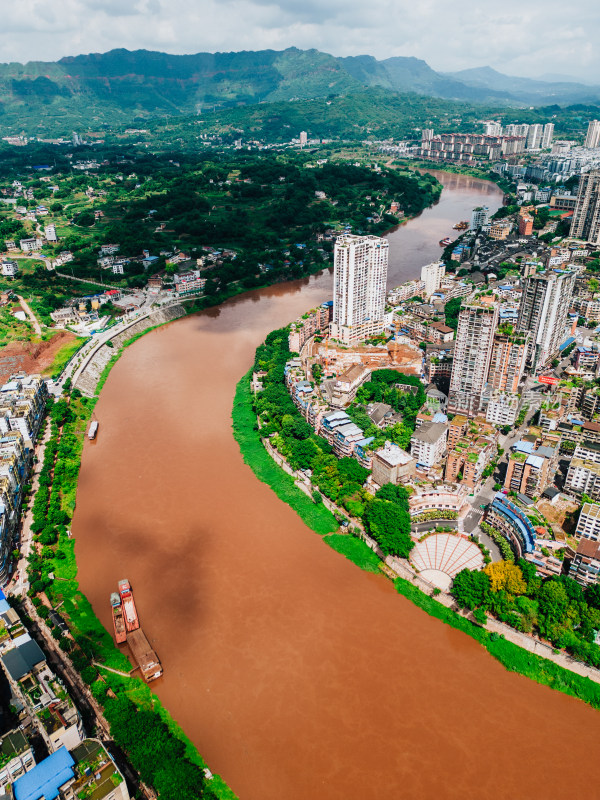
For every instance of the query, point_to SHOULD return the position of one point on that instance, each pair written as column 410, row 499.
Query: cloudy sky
column 530, row 38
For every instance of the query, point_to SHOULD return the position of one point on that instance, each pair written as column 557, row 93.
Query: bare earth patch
column 31, row 357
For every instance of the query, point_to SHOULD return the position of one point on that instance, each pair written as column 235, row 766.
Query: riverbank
column 512, row 656
column 474, row 172
column 101, row 665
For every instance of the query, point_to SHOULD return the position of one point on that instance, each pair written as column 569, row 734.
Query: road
column 32, row 318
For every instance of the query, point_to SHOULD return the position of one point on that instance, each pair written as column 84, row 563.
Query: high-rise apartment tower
column 586, row 217
column 543, row 313
column 359, row 285
column 592, row 138
column 477, row 324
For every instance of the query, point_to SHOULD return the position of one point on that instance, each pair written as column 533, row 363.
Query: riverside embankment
column 294, row 673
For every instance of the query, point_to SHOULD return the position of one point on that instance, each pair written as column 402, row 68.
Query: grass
column 511, row 656
column 63, row 356
column 315, row 515
column 355, row 550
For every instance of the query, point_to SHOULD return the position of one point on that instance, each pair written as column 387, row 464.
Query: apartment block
column 543, row 312
column 508, row 360
column 592, row 138
column 585, row 566
column 431, row 276
column 588, row 525
column 528, row 474
column 428, row 444
column 391, row 464
column 359, row 286
column 586, row 217
column 477, row 322
column 502, row 409
column 315, row 321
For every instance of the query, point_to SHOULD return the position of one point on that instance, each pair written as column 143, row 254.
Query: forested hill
column 120, row 87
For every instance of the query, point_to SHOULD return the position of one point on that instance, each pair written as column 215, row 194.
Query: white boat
column 93, row 430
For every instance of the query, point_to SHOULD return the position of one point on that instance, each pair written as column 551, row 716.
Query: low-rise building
column 346, row 385
column 513, row 524
column 428, row 443
column 16, row 758
column 391, row 464
column 86, row 773
column 585, row 565
column 502, row 409
column 588, row 525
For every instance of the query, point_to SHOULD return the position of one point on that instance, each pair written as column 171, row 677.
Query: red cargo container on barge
column 132, row 622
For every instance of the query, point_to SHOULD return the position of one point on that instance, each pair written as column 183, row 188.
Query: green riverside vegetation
column 155, row 745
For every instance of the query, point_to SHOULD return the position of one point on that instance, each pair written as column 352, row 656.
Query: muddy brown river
column 297, row 675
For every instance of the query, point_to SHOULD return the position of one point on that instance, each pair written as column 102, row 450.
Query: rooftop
column 429, row 432
column 46, row 778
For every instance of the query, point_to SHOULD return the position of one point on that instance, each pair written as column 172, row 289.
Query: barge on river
column 127, row 629
column 93, row 430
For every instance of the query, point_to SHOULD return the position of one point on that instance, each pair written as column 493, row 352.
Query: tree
column 553, row 605
column 592, row 595
column 470, row 588
column 505, row 576
column 389, row 525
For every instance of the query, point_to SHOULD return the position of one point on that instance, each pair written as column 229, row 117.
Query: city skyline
column 499, row 38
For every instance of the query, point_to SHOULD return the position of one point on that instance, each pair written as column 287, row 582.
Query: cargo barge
column 132, row 622
column 461, row 226
column 118, row 620
column 93, row 430
column 144, row 655
column 127, row 630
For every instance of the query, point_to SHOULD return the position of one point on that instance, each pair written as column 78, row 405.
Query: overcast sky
column 531, row 38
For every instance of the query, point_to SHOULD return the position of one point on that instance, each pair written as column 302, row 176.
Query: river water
column 297, row 675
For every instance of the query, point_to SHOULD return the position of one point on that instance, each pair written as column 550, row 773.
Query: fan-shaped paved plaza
column 441, row 556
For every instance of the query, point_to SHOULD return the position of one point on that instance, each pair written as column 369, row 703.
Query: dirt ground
column 31, row 357
column 560, row 513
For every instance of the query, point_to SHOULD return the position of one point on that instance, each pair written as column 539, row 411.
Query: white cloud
column 515, row 37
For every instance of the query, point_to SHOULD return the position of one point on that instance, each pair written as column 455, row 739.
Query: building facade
column 544, row 309
column 586, row 217
column 359, row 286
column 472, row 355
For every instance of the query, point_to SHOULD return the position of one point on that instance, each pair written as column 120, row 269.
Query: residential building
column 529, row 474
column 585, row 565
column 432, row 275
column 428, row 443
column 359, row 284
column 583, row 476
column 42, row 700
column 88, row 771
column 468, row 459
column 525, row 224
column 16, row 758
column 457, row 427
column 592, row 138
column 502, row 409
column 513, row 524
column 500, row 229
column 30, row 245
column 467, row 148
column 492, row 128
column 315, row 321
column 586, row 217
column 534, row 137
column 10, row 269
column 547, row 135
column 588, row 525
column 543, row 312
column 508, row 359
column 190, row 282
column 477, row 322
column 440, row 333
column 346, row 385
column 383, row 415
column 391, row 464
column 50, row 233
column 303, row 138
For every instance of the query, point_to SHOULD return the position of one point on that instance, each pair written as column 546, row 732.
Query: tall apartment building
column 588, row 526
column 516, row 130
column 507, row 364
column 492, row 128
column 592, row 138
column 547, row 135
column 586, row 217
column 477, row 323
column 431, row 275
column 534, row 137
column 543, row 313
column 479, row 216
column 359, row 285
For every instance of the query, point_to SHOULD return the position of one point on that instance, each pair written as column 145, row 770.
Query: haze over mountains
column 118, row 86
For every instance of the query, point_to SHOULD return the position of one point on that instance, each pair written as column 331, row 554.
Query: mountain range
column 120, row 86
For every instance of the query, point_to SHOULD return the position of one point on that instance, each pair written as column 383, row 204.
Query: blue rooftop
column 440, row 417
column 45, row 779
column 519, row 520
column 535, row 461
column 523, row 447
column 569, row 341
